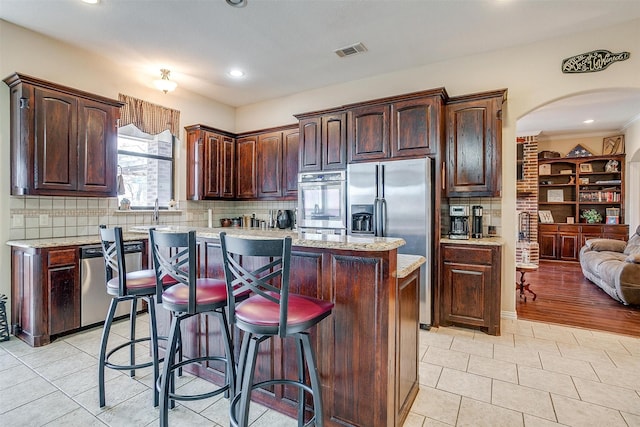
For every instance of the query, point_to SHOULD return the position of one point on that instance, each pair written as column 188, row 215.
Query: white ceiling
column 287, row 46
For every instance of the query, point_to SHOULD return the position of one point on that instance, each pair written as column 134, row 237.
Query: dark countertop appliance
column 477, row 222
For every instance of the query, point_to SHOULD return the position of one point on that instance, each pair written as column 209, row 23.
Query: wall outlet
column 44, row 219
column 17, row 220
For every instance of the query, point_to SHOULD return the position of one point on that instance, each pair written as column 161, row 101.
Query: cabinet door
column 97, row 148
column 227, row 174
column 334, row 142
column 568, row 246
column 414, row 127
column 63, row 283
column 310, row 145
column 548, row 243
column 270, row 165
column 291, row 148
column 465, row 293
column 195, row 165
column 369, row 133
column 246, row 168
column 56, row 142
column 211, row 171
column 473, row 148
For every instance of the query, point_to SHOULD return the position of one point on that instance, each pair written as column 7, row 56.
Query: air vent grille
column 354, row 49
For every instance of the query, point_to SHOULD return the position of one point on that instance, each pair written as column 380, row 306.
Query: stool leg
column 301, row 376
column 230, row 369
column 103, row 349
column 153, row 333
column 132, row 334
column 247, row 381
column 167, row 372
column 243, row 360
column 314, row 377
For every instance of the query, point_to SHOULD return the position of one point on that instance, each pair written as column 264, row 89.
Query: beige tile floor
column 535, row 374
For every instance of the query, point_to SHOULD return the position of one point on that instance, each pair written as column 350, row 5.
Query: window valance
column 148, row 117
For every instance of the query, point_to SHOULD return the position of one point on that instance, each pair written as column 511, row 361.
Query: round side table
column 522, row 285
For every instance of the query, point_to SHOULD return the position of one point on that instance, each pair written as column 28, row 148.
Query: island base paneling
column 367, row 350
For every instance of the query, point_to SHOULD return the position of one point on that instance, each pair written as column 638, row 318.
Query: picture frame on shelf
column 555, row 195
column 545, row 217
column 612, row 145
column 570, row 220
column 584, row 181
column 544, row 169
column 586, row 167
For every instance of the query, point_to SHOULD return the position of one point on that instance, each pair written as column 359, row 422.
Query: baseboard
column 509, row 315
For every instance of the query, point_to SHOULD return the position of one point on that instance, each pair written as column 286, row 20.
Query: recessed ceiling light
column 91, row 1
column 236, row 73
column 588, row 121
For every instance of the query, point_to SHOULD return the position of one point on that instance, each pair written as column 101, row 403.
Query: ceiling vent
column 354, row 49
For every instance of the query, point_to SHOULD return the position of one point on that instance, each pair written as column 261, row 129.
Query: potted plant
column 592, row 216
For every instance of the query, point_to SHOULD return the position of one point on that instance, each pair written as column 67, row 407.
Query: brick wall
column 527, row 200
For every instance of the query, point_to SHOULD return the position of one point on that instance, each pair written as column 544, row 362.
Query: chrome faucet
column 156, row 213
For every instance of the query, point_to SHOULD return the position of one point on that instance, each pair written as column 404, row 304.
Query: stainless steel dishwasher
column 94, row 300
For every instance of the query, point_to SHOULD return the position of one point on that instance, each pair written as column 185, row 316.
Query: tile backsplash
column 43, row 217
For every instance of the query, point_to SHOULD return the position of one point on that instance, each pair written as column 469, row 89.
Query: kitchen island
column 367, row 350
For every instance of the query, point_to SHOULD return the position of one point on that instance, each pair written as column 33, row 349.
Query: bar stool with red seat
column 175, row 256
column 125, row 287
column 271, row 311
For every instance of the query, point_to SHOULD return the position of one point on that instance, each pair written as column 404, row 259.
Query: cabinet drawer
column 468, row 255
column 61, row 257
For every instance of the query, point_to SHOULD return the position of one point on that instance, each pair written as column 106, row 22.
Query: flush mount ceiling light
column 91, row 1
column 164, row 84
column 236, row 73
column 237, row 3
column 588, row 121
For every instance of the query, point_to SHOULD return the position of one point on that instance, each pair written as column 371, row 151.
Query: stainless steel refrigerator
column 395, row 199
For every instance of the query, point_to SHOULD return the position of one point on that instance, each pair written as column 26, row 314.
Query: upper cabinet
column 63, row 141
column 403, row 126
column 246, row 170
column 210, row 163
column 474, row 145
column 290, row 165
column 323, row 142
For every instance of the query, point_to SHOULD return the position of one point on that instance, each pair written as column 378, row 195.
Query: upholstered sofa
column 614, row 266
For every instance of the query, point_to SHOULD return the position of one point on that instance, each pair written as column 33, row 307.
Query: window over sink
column 145, row 167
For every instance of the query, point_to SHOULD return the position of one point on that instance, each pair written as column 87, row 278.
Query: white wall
column 632, row 196
column 531, row 73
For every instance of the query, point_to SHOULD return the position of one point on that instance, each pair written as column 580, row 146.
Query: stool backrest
column 175, row 259
column 260, row 266
column 113, row 253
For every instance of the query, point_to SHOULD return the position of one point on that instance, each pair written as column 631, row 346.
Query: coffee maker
column 477, row 222
column 459, row 222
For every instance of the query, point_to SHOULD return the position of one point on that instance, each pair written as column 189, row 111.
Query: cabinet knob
column 24, row 103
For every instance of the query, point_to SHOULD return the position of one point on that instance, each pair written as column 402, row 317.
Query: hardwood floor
column 565, row 297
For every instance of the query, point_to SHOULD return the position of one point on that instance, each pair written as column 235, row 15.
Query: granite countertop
column 67, row 241
column 356, row 243
column 485, row 241
column 407, row 264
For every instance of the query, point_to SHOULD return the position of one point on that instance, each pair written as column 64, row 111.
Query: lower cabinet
column 562, row 242
column 470, row 286
column 45, row 293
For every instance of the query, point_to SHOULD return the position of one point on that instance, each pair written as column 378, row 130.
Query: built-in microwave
column 322, row 202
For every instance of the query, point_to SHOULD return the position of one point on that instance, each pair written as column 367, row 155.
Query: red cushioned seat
column 139, row 282
column 258, row 310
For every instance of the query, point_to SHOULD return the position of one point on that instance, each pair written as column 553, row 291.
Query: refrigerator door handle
column 376, row 217
column 381, row 188
column 383, row 216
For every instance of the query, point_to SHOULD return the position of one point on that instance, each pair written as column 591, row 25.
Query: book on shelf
column 609, row 181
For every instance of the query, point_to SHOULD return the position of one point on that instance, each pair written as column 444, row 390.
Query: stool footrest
column 189, row 397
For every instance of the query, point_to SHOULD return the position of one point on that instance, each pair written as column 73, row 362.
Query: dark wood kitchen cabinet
column 45, row 293
column 474, row 145
column 290, row 163
column 269, row 165
column 470, row 286
column 416, row 126
column 246, row 167
column 210, row 164
column 63, row 141
column 323, row 142
column 368, row 133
